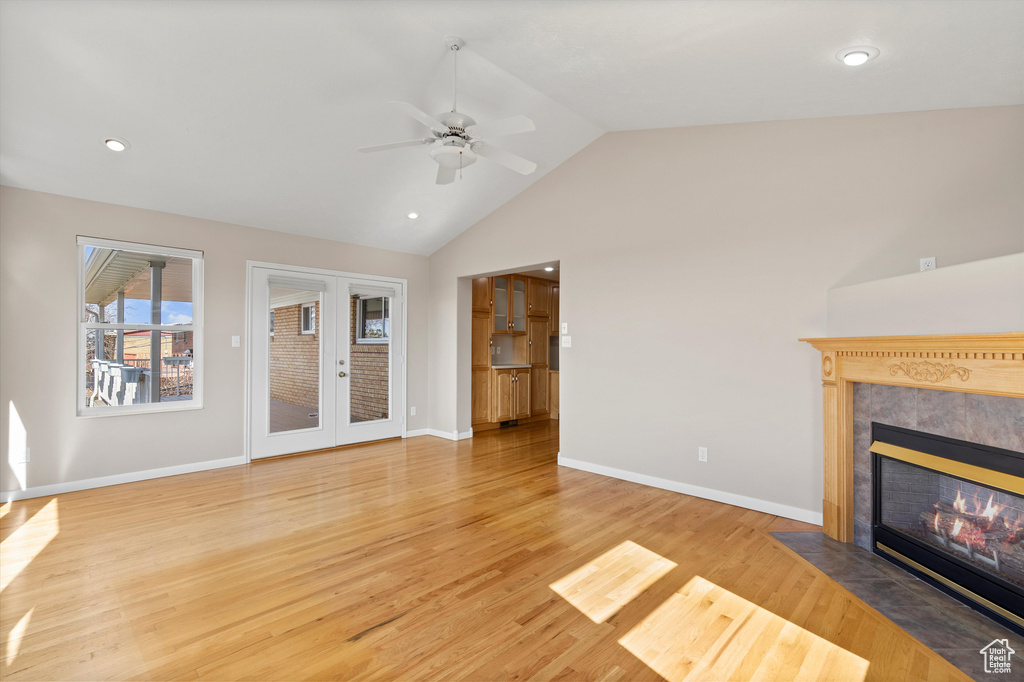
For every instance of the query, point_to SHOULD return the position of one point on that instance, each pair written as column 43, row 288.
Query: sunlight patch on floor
column 23, row 545
column 16, row 635
column 705, row 632
column 606, row 584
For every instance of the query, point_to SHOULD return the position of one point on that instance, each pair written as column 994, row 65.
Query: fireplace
column 952, row 512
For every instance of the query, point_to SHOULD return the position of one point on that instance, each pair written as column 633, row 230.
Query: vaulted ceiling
column 250, row 111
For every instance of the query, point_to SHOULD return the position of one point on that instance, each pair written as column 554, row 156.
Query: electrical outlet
column 236, row 341
column 566, row 342
column 499, row 350
column 702, row 454
column 927, row 263
column 412, row 411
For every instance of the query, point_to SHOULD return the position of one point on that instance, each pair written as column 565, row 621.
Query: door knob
column 341, row 362
column 342, row 374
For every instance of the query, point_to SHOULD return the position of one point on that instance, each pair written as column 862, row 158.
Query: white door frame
column 404, row 288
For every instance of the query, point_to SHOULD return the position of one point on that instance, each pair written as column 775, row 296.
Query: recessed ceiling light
column 116, row 144
column 413, row 216
column 855, row 56
column 549, row 269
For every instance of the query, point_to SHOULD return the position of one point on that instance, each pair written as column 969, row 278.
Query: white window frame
column 312, row 318
column 85, row 326
column 359, row 319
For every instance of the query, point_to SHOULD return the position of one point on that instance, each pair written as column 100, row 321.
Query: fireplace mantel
column 978, row 363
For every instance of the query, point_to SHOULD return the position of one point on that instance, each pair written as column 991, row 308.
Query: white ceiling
column 250, row 111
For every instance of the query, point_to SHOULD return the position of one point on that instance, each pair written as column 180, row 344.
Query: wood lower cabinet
column 553, row 394
column 538, row 390
column 481, row 396
column 510, row 394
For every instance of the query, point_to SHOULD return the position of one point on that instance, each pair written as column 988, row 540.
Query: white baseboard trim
column 117, row 479
column 448, row 435
column 754, row 503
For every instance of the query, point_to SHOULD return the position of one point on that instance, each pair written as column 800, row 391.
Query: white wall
column 37, row 336
column 693, row 258
column 982, row 297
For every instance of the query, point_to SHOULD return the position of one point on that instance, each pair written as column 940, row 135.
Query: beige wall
column 717, row 246
column 983, row 297
column 37, row 337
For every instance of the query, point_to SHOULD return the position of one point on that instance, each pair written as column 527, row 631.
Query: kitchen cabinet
column 508, row 304
column 553, row 395
column 481, row 396
column 539, row 299
column 553, row 317
column 482, row 294
column 511, row 393
column 538, row 344
column 481, row 346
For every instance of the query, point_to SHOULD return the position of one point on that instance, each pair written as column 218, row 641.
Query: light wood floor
column 424, row 559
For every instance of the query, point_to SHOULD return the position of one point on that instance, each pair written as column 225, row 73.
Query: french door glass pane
column 295, row 359
column 370, row 359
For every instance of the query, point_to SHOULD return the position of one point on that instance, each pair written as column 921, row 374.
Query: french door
column 325, row 360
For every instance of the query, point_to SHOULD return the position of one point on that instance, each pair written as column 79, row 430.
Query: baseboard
column 754, row 503
column 117, row 479
column 447, row 435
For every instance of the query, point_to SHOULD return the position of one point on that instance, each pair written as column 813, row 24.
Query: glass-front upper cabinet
column 518, row 305
column 499, row 310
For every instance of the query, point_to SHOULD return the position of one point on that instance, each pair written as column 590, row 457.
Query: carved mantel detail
column 991, row 364
column 933, row 372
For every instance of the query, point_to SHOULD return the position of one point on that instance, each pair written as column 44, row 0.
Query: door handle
column 342, row 375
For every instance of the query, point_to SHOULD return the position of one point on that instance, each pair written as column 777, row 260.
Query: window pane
column 119, row 368
column 113, row 273
column 369, row 380
column 374, row 319
column 295, row 360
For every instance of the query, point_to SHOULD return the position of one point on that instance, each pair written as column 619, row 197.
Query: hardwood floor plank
column 425, row 559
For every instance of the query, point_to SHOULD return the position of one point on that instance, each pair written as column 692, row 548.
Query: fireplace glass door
column 976, row 524
column 952, row 512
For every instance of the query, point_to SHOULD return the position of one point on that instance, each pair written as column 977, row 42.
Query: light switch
column 236, row 341
column 566, row 342
column 565, row 327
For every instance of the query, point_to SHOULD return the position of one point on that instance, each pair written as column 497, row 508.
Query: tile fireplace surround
column 972, row 388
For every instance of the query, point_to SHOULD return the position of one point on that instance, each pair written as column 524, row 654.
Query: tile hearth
column 951, row 629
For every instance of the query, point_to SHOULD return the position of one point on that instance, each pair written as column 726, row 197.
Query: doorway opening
column 515, row 344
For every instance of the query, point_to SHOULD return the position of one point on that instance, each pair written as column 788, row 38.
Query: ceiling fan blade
column 445, row 176
column 395, row 145
column 506, row 159
column 505, row 126
column 423, row 117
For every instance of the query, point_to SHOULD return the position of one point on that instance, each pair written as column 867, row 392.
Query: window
column 373, row 322
column 140, row 327
column 308, row 318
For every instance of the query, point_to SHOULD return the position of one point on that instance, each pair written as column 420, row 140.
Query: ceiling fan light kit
column 457, row 138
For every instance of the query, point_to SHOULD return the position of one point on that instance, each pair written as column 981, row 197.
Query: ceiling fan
column 457, row 139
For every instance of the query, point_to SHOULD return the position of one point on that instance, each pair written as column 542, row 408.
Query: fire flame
column 936, row 522
column 957, row 527
column 960, row 504
column 990, row 510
